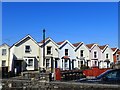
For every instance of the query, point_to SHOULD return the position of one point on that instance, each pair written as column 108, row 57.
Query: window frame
column 50, row 51
column 3, row 65
column 30, row 65
column 66, row 52
column 4, row 52
column 66, row 64
column 47, row 63
column 107, row 56
column 95, row 54
column 118, row 57
column 27, row 50
column 81, row 53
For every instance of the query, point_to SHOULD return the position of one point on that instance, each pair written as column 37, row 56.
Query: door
column 56, row 64
column 18, row 67
column 72, row 64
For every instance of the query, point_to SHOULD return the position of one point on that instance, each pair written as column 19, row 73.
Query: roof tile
column 76, row 44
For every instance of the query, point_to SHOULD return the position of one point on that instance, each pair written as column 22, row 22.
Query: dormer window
column 3, row 52
column 27, row 49
column 49, row 50
column 95, row 54
column 66, row 52
column 81, row 53
column 107, row 56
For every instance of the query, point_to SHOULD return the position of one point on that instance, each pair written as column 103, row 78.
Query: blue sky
column 90, row 22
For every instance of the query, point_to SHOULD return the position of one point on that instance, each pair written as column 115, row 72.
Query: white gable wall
column 19, row 51
column 86, row 54
column 99, row 55
column 4, row 57
column 110, row 56
column 54, row 54
column 71, row 54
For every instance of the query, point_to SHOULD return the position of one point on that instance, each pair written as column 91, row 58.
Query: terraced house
column 116, row 55
column 67, row 55
column 107, row 56
column 82, row 54
column 24, row 55
column 4, row 55
column 95, row 54
column 51, row 60
column 28, row 54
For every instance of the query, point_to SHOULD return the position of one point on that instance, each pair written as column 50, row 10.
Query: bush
column 84, row 67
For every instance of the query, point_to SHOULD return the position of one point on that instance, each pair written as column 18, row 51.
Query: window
column 3, row 63
column 47, row 63
column 27, row 49
column 95, row 54
column 81, row 53
column 66, row 52
column 107, row 56
column 111, row 75
column 81, row 63
column 30, row 62
column 3, row 52
column 118, row 57
column 95, row 63
column 66, row 64
column 48, row 50
column 78, row 63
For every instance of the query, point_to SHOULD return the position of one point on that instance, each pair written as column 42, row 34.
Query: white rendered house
column 95, row 54
column 51, row 60
column 4, row 55
column 107, row 56
column 82, row 54
column 24, row 55
column 67, row 55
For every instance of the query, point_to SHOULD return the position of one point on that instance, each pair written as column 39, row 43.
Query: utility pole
column 43, row 47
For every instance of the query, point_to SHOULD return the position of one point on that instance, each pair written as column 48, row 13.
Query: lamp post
column 43, row 47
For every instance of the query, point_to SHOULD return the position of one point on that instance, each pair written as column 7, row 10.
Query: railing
column 66, row 75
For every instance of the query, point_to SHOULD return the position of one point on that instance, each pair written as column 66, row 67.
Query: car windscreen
column 104, row 73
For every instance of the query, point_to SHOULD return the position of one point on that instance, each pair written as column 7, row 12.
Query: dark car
column 111, row 76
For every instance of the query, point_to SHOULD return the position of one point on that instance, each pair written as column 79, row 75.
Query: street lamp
column 43, row 47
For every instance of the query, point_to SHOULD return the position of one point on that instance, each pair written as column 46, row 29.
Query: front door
column 18, row 67
column 72, row 64
column 55, row 63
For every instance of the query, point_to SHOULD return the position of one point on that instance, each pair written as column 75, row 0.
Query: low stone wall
column 35, row 75
column 38, row 85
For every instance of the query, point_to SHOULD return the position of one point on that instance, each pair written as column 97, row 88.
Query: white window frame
column 96, row 54
column 2, row 63
column 68, row 52
column 47, row 63
column 29, row 50
column 50, row 50
column 79, row 64
column 82, row 53
column 4, row 53
column 30, row 65
column 27, row 59
column 106, row 56
column 66, row 64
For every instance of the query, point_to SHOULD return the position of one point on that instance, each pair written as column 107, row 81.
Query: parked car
column 111, row 76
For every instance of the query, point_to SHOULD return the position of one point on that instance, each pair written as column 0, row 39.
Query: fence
column 77, row 74
column 66, row 75
column 95, row 71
